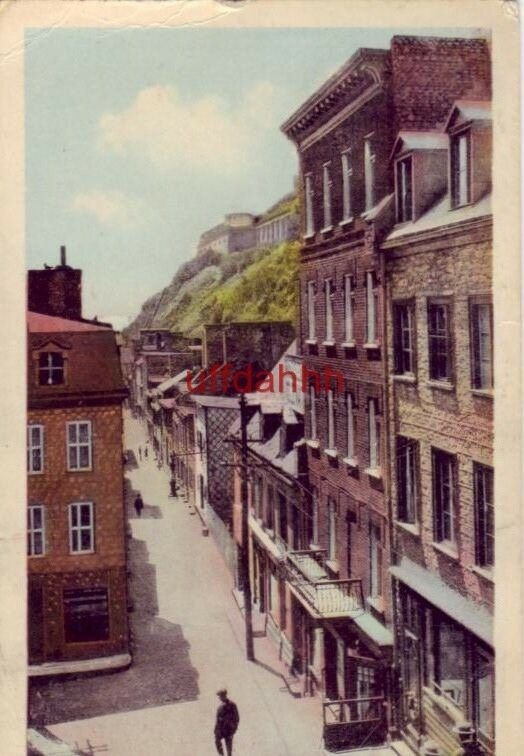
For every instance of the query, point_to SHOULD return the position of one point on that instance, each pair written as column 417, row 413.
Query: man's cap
column 222, row 691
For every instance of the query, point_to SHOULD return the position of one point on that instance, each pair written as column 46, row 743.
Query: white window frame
column 404, row 189
column 311, row 319
column 51, row 370
column 308, row 191
column 332, row 441
column 332, row 530
column 349, row 297
column 461, row 168
column 329, row 294
column 33, row 447
column 32, row 531
column 444, row 506
column 481, row 314
column 369, row 172
column 407, row 467
column 350, row 416
column 347, row 173
column 371, row 309
column 326, row 190
column 373, row 436
column 78, row 445
column 81, row 528
column 313, row 411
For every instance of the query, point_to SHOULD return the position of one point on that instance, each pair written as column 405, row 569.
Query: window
column 258, row 489
column 332, row 530
column 270, row 507
column 460, row 169
column 349, row 302
column 443, row 496
column 439, row 341
column 50, row 368
column 81, row 528
column 484, row 692
column 350, row 415
column 449, row 659
column 484, row 515
column 326, row 183
column 329, row 296
column 346, row 186
column 311, row 321
column 79, row 445
column 375, row 561
column 404, row 338
column 371, row 308
column 282, row 517
column 310, row 223
column 313, row 411
column 35, row 449
column 369, row 173
column 407, row 479
column 86, row 615
column 404, row 191
column 373, row 435
column 35, row 530
column 481, row 319
column 331, row 439
column 314, row 516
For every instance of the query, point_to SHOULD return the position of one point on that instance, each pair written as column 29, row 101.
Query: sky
column 138, row 140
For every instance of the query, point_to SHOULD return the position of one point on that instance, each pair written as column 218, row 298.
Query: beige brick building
column 440, row 390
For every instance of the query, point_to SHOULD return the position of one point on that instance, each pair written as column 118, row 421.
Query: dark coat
column 139, row 504
column 227, row 719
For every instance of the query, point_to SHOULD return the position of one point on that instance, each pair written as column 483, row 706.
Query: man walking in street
column 226, row 723
column 139, row 505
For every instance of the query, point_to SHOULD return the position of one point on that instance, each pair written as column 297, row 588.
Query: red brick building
column 76, row 523
column 345, row 134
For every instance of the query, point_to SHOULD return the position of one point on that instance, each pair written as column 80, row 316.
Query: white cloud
column 110, row 208
column 202, row 133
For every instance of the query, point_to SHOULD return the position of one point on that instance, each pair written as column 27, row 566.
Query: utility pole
column 244, row 551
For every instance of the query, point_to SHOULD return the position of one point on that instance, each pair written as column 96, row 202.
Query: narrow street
column 187, row 635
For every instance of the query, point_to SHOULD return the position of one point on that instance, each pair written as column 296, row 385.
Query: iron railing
column 306, row 573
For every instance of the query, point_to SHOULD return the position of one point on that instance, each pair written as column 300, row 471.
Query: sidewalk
column 186, row 617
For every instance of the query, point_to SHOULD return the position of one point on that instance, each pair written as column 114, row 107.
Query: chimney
column 56, row 291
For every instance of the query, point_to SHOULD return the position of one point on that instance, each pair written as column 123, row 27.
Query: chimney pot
column 62, row 256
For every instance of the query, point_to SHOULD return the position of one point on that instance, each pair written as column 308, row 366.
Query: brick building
column 76, row 528
column 347, row 135
column 439, row 320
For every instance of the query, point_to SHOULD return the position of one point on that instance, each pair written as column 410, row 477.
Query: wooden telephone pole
column 244, row 550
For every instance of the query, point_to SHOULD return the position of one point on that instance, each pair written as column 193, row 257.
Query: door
column 331, row 654
column 35, row 624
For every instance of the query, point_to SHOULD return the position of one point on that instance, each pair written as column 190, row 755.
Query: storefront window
column 449, row 660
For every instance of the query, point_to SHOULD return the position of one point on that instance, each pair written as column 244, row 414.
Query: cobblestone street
column 187, row 636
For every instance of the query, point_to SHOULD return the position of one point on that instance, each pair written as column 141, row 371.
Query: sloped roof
column 93, row 360
column 420, row 140
column 470, row 110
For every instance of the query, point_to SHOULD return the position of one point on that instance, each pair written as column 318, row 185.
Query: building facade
column 353, row 137
column 440, row 336
column 76, row 517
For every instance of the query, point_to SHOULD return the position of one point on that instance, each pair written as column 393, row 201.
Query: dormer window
column 50, row 368
column 460, row 169
column 404, row 190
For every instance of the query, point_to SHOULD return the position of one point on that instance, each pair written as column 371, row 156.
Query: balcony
column 353, row 721
column 323, row 597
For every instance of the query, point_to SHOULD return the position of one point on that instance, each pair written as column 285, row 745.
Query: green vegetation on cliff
column 259, row 284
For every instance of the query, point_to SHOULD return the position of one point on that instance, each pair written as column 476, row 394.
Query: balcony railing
column 354, row 722
column 325, row 597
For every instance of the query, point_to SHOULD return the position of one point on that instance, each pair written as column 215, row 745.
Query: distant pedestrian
column 146, row 451
column 140, row 453
column 226, row 723
column 139, row 505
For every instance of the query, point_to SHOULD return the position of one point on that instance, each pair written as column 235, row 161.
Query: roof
column 441, row 214
column 223, row 402
column 39, row 323
column 420, row 140
column 171, row 382
column 93, row 360
column 475, row 617
column 470, row 110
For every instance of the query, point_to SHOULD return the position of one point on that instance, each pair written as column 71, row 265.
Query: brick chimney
column 56, row 291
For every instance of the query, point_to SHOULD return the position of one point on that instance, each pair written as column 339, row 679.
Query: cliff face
column 259, row 284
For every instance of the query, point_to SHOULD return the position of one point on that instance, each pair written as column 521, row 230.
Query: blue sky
column 139, row 140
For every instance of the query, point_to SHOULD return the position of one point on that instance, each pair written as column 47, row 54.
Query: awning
column 475, row 618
